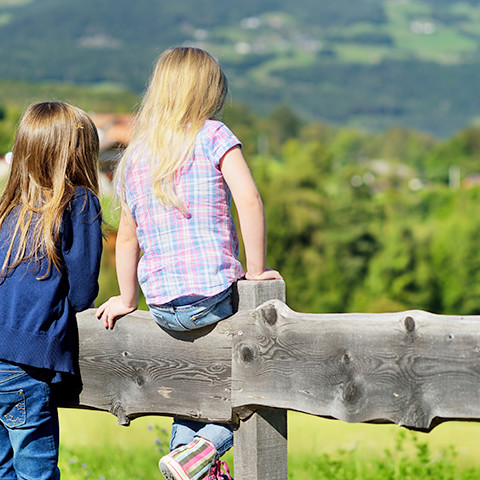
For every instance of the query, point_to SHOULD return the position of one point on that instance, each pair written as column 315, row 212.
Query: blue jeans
column 184, row 431
column 189, row 313
column 28, row 425
column 192, row 312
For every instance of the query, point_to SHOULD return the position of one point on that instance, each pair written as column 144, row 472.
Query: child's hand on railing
column 111, row 310
column 267, row 274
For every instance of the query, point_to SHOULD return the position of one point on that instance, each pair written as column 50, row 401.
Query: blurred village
column 114, row 131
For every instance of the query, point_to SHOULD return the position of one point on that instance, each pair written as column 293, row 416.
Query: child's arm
column 251, row 215
column 82, row 248
column 127, row 255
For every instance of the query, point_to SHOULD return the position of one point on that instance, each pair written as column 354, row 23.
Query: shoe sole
column 171, row 470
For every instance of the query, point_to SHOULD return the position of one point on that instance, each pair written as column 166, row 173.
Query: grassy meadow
column 94, row 446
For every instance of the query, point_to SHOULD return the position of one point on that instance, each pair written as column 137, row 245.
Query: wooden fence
column 413, row 368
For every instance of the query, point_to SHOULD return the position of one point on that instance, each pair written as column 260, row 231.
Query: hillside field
column 372, row 64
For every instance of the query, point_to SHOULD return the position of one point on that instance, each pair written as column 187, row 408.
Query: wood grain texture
column 140, row 369
column 411, row 368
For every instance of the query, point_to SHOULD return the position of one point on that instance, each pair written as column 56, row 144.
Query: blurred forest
column 367, row 222
column 357, row 221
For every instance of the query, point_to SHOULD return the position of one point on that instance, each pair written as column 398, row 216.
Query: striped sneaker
column 189, row 462
column 216, row 471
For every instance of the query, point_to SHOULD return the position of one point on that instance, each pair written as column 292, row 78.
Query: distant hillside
column 366, row 63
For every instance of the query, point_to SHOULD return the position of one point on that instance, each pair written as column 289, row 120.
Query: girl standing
column 176, row 180
column 50, row 248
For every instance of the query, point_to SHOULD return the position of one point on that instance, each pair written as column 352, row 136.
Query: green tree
column 400, row 276
column 296, row 206
column 462, row 151
column 245, row 125
column 456, row 256
column 283, row 125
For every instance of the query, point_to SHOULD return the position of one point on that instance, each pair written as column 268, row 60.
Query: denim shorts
column 185, row 431
column 28, row 425
column 191, row 312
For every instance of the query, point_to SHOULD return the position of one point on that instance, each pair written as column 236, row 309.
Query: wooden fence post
column 260, row 442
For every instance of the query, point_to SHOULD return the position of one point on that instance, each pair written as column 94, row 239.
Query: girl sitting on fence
column 50, row 248
column 176, row 180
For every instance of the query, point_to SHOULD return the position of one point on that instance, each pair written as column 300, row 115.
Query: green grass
column 94, row 446
column 447, row 44
column 351, row 52
column 17, row 95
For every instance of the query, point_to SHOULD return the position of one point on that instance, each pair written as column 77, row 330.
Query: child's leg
column 195, row 446
column 219, row 434
column 195, row 460
column 183, row 432
column 29, row 414
column 7, row 471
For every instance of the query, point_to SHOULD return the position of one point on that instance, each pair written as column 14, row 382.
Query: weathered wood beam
column 411, row 368
column 140, row 369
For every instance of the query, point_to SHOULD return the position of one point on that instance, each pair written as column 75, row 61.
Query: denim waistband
column 195, row 300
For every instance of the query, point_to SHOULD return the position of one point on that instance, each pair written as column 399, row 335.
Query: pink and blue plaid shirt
column 187, row 255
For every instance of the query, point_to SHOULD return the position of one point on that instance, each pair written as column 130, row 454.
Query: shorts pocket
column 8, row 375
column 212, row 313
column 202, row 312
column 12, row 408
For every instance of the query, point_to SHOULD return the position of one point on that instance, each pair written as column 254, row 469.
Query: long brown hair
column 55, row 150
column 187, row 87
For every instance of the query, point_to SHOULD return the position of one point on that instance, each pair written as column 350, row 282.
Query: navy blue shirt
column 37, row 317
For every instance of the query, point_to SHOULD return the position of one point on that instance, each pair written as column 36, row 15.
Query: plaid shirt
column 187, row 255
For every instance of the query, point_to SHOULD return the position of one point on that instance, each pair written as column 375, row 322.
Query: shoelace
column 216, row 471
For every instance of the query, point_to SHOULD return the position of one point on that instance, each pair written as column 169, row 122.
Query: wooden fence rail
column 413, row 368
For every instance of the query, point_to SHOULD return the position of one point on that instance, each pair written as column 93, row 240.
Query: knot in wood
column 352, row 393
column 269, row 315
column 246, row 354
column 139, row 380
column 409, row 324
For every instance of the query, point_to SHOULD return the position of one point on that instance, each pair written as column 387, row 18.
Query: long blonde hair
column 55, row 150
column 187, row 87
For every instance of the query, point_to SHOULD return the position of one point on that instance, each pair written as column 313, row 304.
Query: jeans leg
column 29, row 414
column 36, row 444
column 220, row 434
column 183, row 432
column 7, row 472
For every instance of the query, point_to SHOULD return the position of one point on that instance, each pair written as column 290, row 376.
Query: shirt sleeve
column 82, row 248
column 222, row 140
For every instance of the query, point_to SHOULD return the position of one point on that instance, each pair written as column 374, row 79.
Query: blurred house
column 115, row 131
column 472, row 180
column 4, row 167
